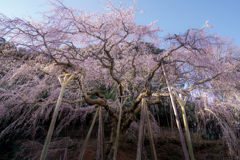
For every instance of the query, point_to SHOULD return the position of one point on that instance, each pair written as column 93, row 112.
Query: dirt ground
column 168, row 147
column 167, row 143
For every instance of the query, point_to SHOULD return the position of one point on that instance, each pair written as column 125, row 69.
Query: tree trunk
column 164, row 109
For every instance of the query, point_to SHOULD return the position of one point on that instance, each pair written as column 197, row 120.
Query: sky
column 172, row 16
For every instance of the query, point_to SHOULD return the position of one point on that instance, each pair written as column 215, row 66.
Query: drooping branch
column 192, row 87
column 97, row 92
column 70, row 102
column 169, row 53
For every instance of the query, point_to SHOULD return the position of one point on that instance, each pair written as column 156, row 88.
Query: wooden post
column 102, row 135
column 185, row 151
column 100, row 145
column 153, row 150
column 141, row 133
column 144, row 132
column 63, row 83
column 118, row 132
column 88, row 136
column 187, row 133
column 119, row 126
column 171, row 117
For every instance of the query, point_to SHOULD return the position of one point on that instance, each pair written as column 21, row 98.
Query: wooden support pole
column 118, row 133
column 171, row 117
column 153, row 150
column 185, row 151
column 100, row 145
column 63, row 83
column 118, row 127
column 144, row 130
column 180, row 92
column 141, row 133
column 99, row 137
column 82, row 151
column 187, row 133
column 102, row 135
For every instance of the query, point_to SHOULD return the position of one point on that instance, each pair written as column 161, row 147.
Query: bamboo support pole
column 118, row 132
column 63, row 83
column 171, row 117
column 180, row 92
column 187, row 133
column 100, row 145
column 141, row 133
column 153, row 150
column 144, row 132
column 185, row 151
column 102, row 135
column 99, row 137
column 118, row 128
column 88, row 136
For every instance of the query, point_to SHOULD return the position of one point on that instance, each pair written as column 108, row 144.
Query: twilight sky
column 173, row 16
